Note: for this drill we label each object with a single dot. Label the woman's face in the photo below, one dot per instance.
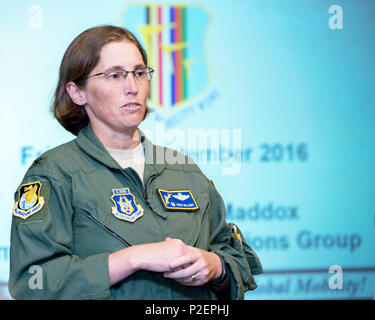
(116, 108)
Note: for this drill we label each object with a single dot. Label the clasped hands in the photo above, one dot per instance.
(185, 264)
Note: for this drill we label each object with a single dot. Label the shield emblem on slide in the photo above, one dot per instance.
(174, 39)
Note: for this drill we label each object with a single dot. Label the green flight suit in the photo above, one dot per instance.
(71, 228)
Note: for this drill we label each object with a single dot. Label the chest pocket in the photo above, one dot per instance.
(91, 235)
(95, 221)
(183, 212)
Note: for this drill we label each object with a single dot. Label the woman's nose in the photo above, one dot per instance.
(130, 84)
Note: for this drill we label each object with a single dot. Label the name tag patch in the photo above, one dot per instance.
(178, 199)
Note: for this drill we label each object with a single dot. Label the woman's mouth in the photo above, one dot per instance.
(131, 105)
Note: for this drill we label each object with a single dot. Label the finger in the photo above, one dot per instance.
(192, 282)
(187, 259)
(182, 273)
(180, 262)
(179, 274)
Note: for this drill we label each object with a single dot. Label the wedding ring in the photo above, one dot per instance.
(193, 278)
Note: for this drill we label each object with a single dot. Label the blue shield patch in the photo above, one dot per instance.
(178, 200)
(125, 207)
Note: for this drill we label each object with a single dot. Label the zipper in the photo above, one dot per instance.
(141, 192)
(145, 196)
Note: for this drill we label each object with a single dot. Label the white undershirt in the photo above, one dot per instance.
(134, 158)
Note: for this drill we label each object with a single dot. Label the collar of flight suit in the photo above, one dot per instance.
(89, 142)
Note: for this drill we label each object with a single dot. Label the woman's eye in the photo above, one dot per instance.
(139, 73)
(113, 76)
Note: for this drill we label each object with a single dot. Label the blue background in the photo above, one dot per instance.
(301, 95)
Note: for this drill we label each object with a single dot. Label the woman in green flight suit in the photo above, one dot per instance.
(106, 216)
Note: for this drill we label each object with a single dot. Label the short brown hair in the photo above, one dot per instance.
(79, 60)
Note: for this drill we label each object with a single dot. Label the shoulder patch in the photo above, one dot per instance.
(178, 199)
(29, 200)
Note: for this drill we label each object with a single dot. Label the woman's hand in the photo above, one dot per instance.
(159, 256)
(194, 266)
(187, 265)
(156, 256)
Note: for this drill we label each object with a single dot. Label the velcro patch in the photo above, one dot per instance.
(125, 206)
(178, 199)
(29, 200)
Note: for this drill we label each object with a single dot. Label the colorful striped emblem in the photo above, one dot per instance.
(174, 38)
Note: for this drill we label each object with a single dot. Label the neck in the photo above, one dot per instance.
(120, 140)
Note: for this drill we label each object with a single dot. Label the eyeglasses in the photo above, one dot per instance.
(116, 76)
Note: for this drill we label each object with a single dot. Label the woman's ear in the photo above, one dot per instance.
(76, 94)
